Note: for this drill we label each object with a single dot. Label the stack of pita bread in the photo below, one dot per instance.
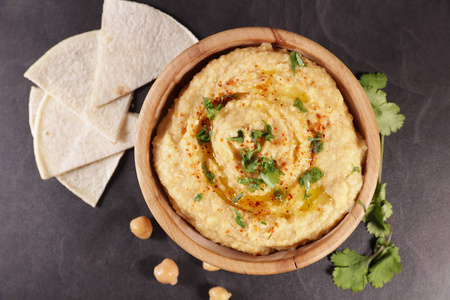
(78, 114)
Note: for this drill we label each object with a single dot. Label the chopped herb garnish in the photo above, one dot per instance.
(211, 110)
(267, 133)
(198, 197)
(228, 96)
(203, 137)
(238, 197)
(239, 138)
(279, 195)
(355, 169)
(263, 222)
(256, 134)
(311, 176)
(208, 174)
(270, 174)
(248, 163)
(296, 60)
(299, 104)
(270, 235)
(252, 183)
(239, 220)
(316, 143)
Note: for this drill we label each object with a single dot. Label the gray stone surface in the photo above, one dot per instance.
(53, 246)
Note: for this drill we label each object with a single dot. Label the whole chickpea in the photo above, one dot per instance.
(219, 293)
(166, 272)
(141, 227)
(209, 267)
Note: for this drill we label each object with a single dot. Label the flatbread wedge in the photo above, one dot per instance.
(66, 72)
(87, 182)
(137, 42)
(63, 142)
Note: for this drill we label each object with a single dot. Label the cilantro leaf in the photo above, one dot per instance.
(299, 104)
(296, 60)
(350, 270)
(386, 262)
(355, 169)
(387, 114)
(256, 134)
(311, 176)
(378, 212)
(239, 220)
(238, 197)
(271, 179)
(198, 197)
(376, 80)
(316, 143)
(267, 133)
(211, 110)
(252, 183)
(263, 222)
(239, 138)
(208, 174)
(203, 137)
(229, 96)
(248, 163)
(279, 195)
(270, 174)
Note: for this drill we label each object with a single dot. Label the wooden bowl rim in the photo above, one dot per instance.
(183, 233)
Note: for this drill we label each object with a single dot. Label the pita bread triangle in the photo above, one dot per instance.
(87, 182)
(137, 42)
(63, 142)
(66, 72)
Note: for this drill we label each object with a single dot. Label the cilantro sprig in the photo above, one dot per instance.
(352, 270)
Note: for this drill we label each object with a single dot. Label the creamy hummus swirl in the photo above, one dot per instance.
(257, 91)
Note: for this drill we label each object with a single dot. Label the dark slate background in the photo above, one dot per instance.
(54, 246)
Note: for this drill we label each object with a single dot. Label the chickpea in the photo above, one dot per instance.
(141, 227)
(219, 293)
(166, 272)
(209, 267)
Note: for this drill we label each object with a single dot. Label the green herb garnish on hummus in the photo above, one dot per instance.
(198, 197)
(208, 174)
(203, 137)
(311, 176)
(211, 110)
(239, 138)
(296, 60)
(299, 104)
(239, 220)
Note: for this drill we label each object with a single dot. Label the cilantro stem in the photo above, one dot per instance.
(381, 160)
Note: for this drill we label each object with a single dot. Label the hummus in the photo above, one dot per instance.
(259, 159)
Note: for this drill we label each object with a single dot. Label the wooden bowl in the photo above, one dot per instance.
(161, 96)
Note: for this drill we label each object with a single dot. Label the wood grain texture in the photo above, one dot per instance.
(165, 90)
